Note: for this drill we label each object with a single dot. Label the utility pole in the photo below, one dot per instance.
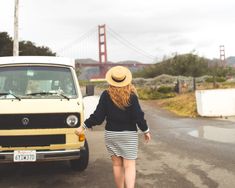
(16, 25)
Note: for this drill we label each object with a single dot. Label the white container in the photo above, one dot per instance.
(215, 102)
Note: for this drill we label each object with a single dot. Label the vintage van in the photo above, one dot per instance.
(40, 107)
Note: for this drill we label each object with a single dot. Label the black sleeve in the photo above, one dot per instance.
(138, 114)
(99, 114)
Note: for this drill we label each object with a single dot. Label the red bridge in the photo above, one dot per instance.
(103, 64)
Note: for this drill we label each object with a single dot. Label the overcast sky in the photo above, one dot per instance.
(157, 28)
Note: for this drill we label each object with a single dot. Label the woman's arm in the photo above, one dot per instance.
(140, 120)
(96, 118)
(99, 114)
(138, 115)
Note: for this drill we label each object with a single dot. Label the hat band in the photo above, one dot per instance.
(118, 80)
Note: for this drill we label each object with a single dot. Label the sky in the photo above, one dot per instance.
(156, 29)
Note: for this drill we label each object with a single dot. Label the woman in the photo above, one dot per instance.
(120, 107)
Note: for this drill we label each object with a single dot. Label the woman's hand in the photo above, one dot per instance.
(147, 137)
(79, 130)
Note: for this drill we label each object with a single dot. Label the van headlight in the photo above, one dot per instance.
(72, 120)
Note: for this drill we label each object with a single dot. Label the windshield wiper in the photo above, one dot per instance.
(49, 93)
(41, 93)
(62, 95)
(10, 93)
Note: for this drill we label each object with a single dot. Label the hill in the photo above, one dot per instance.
(86, 61)
(89, 60)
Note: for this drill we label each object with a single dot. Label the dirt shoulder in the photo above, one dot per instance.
(182, 105)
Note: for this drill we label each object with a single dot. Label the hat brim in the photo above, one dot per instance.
(125, 82)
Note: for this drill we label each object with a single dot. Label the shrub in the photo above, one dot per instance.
(149, 93)
(165, 89)
(217, 79)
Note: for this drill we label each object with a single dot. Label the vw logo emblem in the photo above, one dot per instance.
(25, 121)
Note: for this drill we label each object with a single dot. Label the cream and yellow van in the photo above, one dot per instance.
(40, 107)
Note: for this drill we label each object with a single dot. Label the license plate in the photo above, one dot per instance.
(25, 156)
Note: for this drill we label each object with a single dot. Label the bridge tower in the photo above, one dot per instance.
(102, 49)
(222, 56)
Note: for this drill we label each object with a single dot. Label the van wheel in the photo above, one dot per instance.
(81, 163)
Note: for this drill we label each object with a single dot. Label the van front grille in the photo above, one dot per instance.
(27, 141)
(35, 121)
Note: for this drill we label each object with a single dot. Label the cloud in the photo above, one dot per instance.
(158, 27)
(179, 40)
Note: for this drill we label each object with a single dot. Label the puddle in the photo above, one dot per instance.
(218, 134)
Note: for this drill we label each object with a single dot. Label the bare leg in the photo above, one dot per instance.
(118, 171)
(130, 173)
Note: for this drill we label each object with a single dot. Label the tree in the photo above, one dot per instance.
(6, 44)
(185, 65)
(29, 48)
(25, 47)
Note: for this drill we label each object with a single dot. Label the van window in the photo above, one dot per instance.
(26, 80)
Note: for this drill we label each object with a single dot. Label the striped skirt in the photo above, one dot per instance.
(122, 143)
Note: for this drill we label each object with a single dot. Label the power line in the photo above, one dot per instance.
(78, 40)
(128, 44)
(130, 47)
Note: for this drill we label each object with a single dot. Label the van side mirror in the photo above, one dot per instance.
(90, 90)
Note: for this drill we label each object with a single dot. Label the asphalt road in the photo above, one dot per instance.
(173, 159)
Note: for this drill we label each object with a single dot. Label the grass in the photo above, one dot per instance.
(151, 94)
(185, 104)
(182, 105)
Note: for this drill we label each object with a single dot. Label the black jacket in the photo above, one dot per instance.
(116, 118)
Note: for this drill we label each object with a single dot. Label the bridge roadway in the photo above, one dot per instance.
(112, 64)
(173, 159)
(105, 66)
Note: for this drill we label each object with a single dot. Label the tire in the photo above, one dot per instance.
(81, 163)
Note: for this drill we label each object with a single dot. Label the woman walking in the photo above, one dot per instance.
(120, 107)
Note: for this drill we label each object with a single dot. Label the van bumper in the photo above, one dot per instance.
(55, 155)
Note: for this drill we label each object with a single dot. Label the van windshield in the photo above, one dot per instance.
(36, 82)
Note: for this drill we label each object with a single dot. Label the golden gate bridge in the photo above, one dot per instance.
(103, 62)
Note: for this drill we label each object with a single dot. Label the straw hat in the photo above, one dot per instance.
(118, 76)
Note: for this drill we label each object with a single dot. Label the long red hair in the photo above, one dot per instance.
(121, 95)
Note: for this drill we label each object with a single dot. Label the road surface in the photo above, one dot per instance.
(183, 153)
